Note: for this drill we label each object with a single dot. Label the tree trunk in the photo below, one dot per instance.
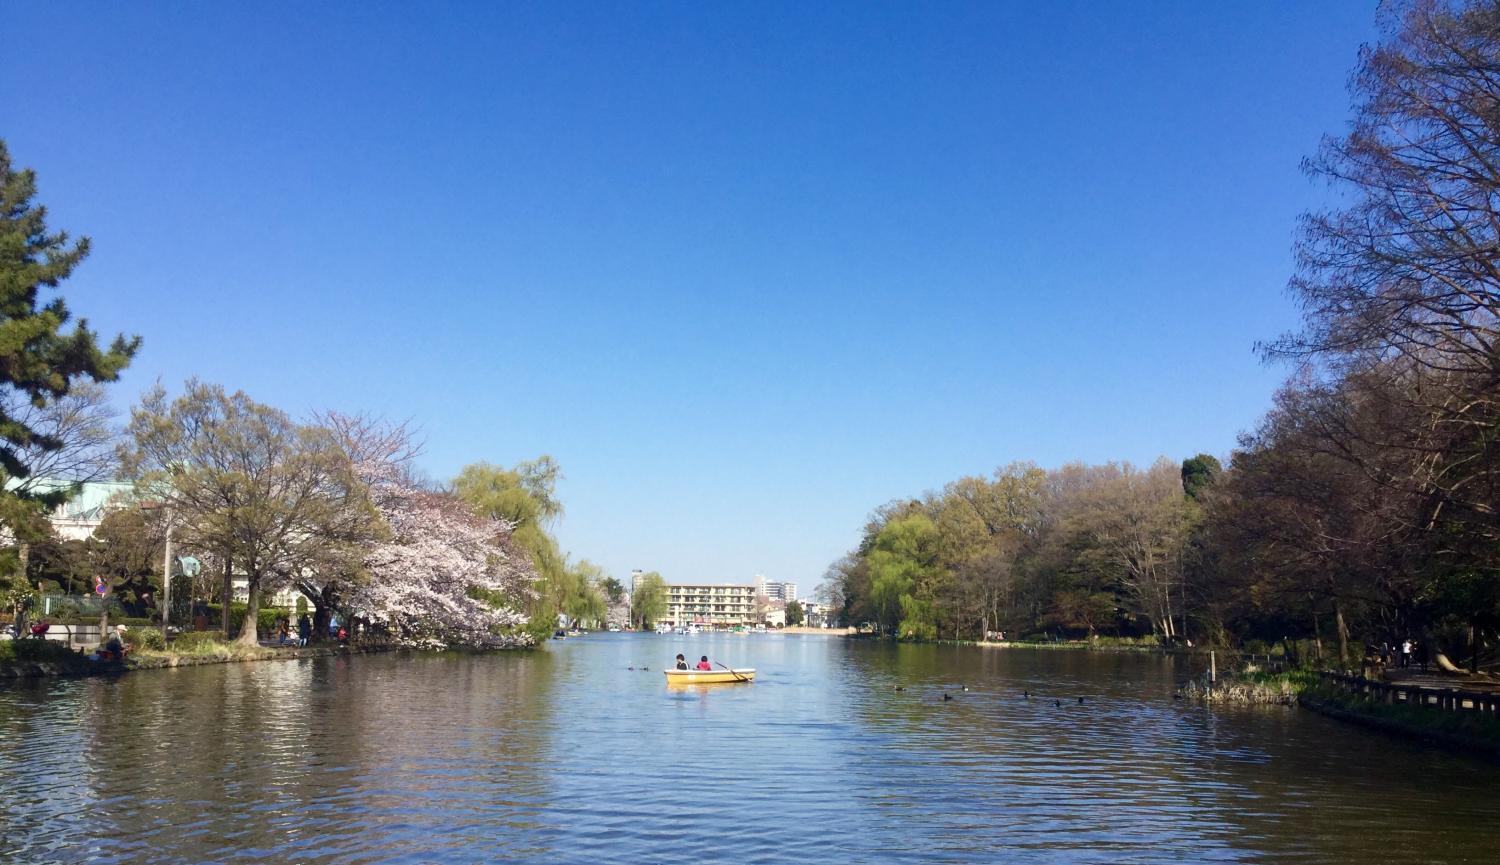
(228, 597)
(1473, 648)
(1343, 628)
(323, 601)
(1317, 636)
(248, 635)
(322, 615)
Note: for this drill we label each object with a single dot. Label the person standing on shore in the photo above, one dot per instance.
(1406, 653)
(304, 630)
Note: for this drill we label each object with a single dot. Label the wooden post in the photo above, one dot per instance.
(1213, 668)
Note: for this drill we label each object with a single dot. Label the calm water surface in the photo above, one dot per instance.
(566, 755)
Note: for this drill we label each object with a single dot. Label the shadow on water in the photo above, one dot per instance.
(581, 752)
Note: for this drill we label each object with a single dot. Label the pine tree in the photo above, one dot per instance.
(39, 360)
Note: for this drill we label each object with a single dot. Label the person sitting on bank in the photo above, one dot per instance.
(703, 663)
(681, 662)
(115, 649)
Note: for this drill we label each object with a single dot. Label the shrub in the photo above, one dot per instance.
(38, 650)
(141, 637)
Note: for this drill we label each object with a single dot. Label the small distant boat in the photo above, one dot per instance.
(709, 677)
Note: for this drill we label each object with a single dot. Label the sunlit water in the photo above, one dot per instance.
(566, 755)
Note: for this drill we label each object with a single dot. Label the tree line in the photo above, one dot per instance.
(1364, 508)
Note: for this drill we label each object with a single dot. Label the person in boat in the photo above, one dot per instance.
(681, 662)
(703, 663)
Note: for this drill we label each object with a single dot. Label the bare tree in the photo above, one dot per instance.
(1403, 283)
(79, 428)
(270, 496)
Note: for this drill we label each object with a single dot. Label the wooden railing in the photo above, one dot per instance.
(1395, 693)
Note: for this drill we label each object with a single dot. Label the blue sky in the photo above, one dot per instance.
(745, 271)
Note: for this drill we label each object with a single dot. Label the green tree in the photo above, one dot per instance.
(903, 566)
(1199, 473)
(614, 590)
(648, 599)
(585, 602)
(526, 497)
(40, 361)
(794, 613)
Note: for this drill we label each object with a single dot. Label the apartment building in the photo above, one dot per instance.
(720, 605)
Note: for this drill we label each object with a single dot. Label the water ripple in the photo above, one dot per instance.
(567, 755)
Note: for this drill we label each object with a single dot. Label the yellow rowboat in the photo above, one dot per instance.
(709, 677)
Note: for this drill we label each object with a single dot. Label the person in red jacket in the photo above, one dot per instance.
(703, 663)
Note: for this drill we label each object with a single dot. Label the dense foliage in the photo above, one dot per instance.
(1366, 505)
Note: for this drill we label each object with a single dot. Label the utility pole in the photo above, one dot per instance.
(166, 581)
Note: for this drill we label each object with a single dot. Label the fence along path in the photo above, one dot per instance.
(1475, 697)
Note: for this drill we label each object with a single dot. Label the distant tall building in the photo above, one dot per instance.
(774, 589)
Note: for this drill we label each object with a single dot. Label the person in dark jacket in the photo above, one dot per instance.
(304, 630)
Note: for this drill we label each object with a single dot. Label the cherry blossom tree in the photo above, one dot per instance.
(436, 571)
(444, 574)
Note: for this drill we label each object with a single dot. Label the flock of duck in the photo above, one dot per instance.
(1025, 695)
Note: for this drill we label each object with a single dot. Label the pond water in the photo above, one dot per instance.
(565, 754)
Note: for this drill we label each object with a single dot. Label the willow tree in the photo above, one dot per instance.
(267, 495)
(525, 497)
(648, 599)
(41, 359)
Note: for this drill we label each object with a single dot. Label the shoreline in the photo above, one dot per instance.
(827, 632)
(1066, 646)
(1458, 743)
(13, 671)
(1462, 733)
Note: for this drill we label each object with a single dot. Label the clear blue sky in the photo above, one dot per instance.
(747, 270)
